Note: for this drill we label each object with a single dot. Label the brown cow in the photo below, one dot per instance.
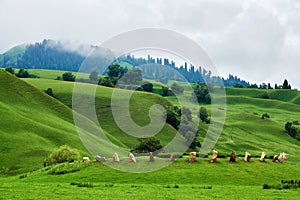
(232, 156)
(193, 157)
(151, 157)
(275, 158)
(116, 158)
(131, 158)
(214, 156)
(172, 157)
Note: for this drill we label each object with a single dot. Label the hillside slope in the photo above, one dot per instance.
(32, 124)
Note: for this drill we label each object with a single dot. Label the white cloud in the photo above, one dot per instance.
(257, 40)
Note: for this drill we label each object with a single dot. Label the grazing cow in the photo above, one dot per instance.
(85, 159)
(282, 157)
(193, 157)
(151, 157)
(275, 158)
(100, 159)
(172, 157)
(214, 156)
(263, 156)
(247, 157)
(131, 158)
(116, 158)
(232, 156)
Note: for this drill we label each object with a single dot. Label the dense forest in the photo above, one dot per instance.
(45, 55)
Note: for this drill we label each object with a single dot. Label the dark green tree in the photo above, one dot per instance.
(147, 87)
(202, 93)
(173, 119)
(115, 70)
(149, 144)
(105, 81)
(68, 76)
(269, 86)
(165, 91)
(10, 70)
(286, 84)
(186, 112)
(23, 73)
(238, 85)
(49, 92)
(133, 76)
(203, 115)
(94, 76)
(176, 88)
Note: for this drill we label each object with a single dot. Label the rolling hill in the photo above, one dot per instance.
(244, 129)
(32, 117)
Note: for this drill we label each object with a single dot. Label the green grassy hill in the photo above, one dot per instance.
(244, 130)
(140, 104)
(32, 125)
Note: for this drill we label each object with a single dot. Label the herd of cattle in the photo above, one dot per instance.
(193, 157)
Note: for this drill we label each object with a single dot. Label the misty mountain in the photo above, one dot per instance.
(67, 56)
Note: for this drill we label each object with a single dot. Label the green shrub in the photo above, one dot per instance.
(62, 154)
(266, 186)
(23, 176)
(89, 185)
(265, 115)
(65, 168)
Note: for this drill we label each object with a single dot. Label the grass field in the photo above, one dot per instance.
(33, 124)
(181, 180)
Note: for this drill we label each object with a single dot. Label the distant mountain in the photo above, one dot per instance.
(57, 55)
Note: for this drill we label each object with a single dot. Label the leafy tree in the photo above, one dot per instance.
(202, 93)
(276, 87)
(93, 76)
(62, 154)
(49, 92)
(292, 130)
(265, 115)
(286, 85)
(203, 115)
(149, 144)
(115, 70)
(186, 112)
(173, 119)
(68, 76)
(269, 86)
(147, 87)
(105, 81)
(238, 85)
(23, 73)
(10, 70)
(263, 86)
(253, 86)
(176, 88)
(165, 91)
(133, 76)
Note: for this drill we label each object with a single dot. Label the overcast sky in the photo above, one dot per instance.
(257, 40)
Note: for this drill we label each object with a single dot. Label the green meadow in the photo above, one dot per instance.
(33, 124)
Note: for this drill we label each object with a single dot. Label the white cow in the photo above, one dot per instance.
(131, 158)
(263, 156)
(282, 157)
(86, 159)
(214, 156)
(247, 156)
